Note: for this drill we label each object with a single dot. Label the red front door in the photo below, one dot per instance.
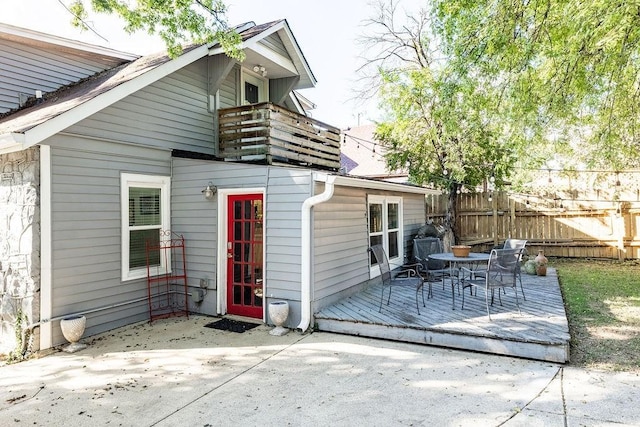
(244, 255)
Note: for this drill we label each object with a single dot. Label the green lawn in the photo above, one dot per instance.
(603, 309)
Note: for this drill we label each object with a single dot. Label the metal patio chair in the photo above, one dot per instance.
(511, 244)
(389, 280)
(430, 269)
(518, 244)
(501, 273)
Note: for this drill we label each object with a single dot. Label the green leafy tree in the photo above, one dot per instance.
(436, 127)
(570, 68)
(438, 118)
(513, 85)
(176, 21)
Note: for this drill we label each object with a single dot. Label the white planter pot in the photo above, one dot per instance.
(72, 329)
(278, 313)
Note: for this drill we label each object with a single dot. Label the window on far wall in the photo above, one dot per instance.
(145, 214)
(385, 227)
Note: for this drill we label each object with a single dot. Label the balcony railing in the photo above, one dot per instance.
(269, 133)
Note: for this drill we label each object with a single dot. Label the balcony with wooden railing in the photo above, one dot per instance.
(271, 134)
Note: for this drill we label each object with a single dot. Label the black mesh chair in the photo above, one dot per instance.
(517, 244)
(510, 244)
(501, 273)
(407, 276)
(430, 269)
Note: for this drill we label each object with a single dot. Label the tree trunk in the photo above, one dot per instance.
(450, 238)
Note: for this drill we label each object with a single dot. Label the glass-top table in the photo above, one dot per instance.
(473, 258)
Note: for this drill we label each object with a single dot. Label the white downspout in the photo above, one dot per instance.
(305, 297)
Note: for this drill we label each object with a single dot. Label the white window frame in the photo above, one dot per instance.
(385, 201)
(128, 180)
(257, 80)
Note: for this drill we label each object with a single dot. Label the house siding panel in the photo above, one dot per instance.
(25, 69)
(339, 243)
(340, 240)
(229, 89)
(286, 190)
(86, 268)
(415, 208)
(170, 113)
(274, 43)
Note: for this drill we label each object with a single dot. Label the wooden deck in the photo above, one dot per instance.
(540, 332)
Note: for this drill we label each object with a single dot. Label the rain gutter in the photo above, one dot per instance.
(307, 205)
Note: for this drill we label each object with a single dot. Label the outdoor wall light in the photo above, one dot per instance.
(260, 69)
(209, 191)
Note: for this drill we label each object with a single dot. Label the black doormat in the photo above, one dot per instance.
(231, 325)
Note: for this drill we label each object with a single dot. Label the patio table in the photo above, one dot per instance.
(454, 261)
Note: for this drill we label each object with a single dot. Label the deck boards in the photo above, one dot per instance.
(541, 331)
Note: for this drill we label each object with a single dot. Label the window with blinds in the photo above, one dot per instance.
(145, 224)
(145, 214)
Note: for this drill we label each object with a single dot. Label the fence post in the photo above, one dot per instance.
(620, 231)
(512, 219)
(494, 208)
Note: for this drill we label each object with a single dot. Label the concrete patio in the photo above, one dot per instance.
(177, 372)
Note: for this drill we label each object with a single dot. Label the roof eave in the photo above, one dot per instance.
(301, 57)
(26, 33)
(374, 184)
(11, 142)
(307, 79)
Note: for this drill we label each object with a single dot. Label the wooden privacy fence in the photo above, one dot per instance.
(570, 224)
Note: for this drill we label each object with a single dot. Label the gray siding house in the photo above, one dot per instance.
(119, 150)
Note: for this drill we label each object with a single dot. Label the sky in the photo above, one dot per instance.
(326, 31)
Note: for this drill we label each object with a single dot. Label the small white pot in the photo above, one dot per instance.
(278, 313)
(72, 329)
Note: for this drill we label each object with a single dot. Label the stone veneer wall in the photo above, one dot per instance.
(19, 244)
